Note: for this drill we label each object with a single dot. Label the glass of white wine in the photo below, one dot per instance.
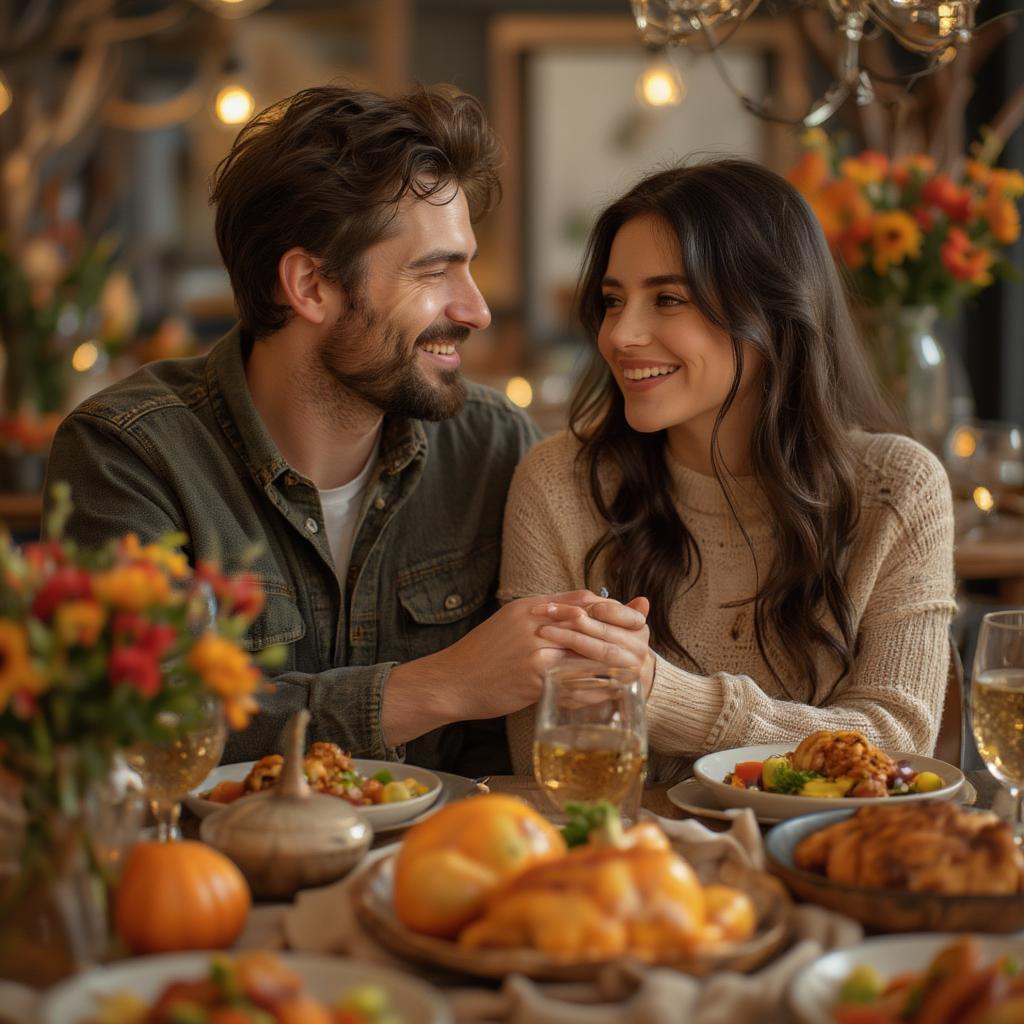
(997, 703)
(590, 738)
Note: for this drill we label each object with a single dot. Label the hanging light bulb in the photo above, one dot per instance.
(660, 84)
(234, 104)
(6, 97)
(232, 8)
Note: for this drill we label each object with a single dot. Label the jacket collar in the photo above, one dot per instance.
(401, 439)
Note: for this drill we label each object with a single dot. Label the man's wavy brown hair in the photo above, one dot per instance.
(758, 267)
(325, 170)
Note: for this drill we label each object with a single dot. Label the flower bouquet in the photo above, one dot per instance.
(912, 242)
(101, 652)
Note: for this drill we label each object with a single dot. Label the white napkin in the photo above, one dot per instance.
(323, 920)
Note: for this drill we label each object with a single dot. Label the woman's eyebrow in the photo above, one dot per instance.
(648, 282)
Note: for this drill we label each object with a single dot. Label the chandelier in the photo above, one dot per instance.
(932, 28)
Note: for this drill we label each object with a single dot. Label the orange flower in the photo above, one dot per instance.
(896, 236)
(911, 166)
(17, 674)
(1002, 216)
(227, 671)
(869, 168)
(1006, 182)
(953, 201)
(810, 173)
(79, 623)
(966, 261)
(132, 588)
(168, 559)
(977, 172)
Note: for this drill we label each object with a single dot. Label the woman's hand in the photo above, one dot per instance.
(606, 631)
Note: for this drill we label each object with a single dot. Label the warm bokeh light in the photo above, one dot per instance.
(983, 499)
(964, 443)
(661, 85)
(234, 104)
(85, 356)
(5, 95)
(519, 392)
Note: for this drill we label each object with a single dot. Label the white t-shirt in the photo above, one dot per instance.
(341, 507)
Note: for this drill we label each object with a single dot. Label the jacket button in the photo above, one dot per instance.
(379, 503)
(312, 526)
(453, 601)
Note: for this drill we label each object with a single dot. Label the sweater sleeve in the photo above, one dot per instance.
(895, 689)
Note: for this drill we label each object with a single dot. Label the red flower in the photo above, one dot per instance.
(42, 554)
(953, 201)
(158, 639)
(132, 630)
(925, 218)
(136, 667)
(964, 260)
(242, 596)
(64, 585)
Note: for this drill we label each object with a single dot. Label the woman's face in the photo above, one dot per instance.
(674, 368)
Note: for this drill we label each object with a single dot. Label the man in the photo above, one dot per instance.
(331, 432)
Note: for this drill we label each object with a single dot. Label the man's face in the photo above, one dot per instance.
(397, 345)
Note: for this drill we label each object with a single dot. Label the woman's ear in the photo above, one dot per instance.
(304, 288)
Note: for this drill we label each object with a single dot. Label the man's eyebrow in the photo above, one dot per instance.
(648, 282)
(442, 256)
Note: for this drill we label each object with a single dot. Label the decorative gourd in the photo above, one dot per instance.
(451, 863)
(179, 895)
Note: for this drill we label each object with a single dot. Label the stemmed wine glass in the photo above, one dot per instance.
(997, 703)
(170, 769)
(590, 738)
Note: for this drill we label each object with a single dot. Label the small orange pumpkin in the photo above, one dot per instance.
(451, 863)
(181, 895)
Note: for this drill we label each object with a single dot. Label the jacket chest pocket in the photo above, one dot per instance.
(445, 597)
(280, 622)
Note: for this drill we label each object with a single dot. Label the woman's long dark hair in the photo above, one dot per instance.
(758, 268)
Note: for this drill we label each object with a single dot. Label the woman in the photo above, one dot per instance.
(728, 461)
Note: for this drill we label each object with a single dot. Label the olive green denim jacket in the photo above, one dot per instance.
(179, 446)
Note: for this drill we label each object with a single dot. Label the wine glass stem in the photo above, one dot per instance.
(166, 813)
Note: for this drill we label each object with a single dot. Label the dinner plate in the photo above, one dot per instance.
(373, 898)
(326, 978)
(812, 996)
(711, 770)
(380, 816)
(885, 910)
(692, 796)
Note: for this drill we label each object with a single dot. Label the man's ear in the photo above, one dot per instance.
(313, 297)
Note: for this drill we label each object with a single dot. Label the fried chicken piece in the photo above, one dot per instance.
(846, 753)
(925, 847)
(599, 902)
(264, 773)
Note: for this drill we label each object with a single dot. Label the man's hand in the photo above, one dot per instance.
(605, 631)
(493, 670)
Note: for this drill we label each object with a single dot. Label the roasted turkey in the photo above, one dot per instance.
(846, 753)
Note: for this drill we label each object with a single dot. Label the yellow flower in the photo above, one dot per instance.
(170, 560)
(814, 138)
(16, 670)
(896, 236)
(79, 623)
(132, 588)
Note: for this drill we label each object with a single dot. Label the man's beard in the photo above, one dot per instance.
(394, 384)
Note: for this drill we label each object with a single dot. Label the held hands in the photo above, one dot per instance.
(604, 630)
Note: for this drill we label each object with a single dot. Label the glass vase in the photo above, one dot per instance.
(58, 861)
(912, 366)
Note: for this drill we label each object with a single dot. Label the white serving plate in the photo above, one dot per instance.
(380, 816)
(692, 796)
(711, 769)
(812, 995)
(326, 978)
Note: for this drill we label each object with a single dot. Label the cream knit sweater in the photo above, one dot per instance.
(900, 581)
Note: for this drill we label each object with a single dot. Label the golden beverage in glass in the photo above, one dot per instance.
(169, 770)
(588, 763)
(997, 702)
(590, 738)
